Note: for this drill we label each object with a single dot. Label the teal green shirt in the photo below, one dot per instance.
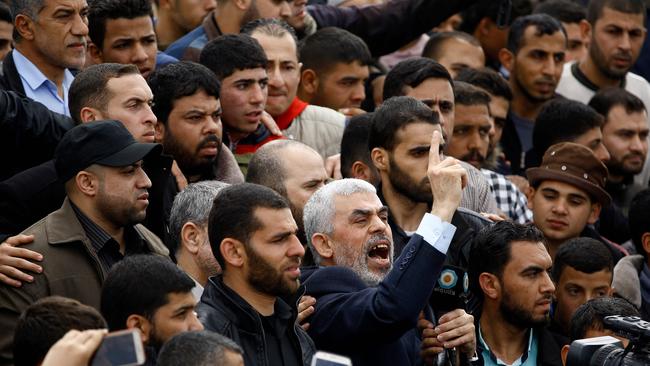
(528, 358)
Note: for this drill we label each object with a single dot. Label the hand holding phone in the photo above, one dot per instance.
(75, 348)
(121, 348)
(330, 359)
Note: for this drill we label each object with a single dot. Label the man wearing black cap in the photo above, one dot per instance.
(101, 165)
(567, 194)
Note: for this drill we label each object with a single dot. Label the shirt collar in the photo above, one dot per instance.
(32, 74)
(486, 349)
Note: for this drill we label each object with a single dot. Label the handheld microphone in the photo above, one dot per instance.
(450, 293)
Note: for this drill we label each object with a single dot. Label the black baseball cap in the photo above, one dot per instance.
(101, 142)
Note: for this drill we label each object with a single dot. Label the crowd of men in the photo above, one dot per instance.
(250, 182)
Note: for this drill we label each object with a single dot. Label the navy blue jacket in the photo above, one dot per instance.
(374, 325)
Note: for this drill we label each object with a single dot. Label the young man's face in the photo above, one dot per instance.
(593, 139)
(526, 289)
(243, 97)
(188, 14)
(342, 86)
(406, 170)
(274, 253)
(176, 316)
(537, 66)
(362, 239)
(121, 194)
(130, 103)
(499, 111)
(575, 288)
(471, 140)
(561, 211)
(438, 95)
(192, 134)
(626, 137)
(577, 47)
(457, 54)
(616, 41)
(129, 41)
(283, 71)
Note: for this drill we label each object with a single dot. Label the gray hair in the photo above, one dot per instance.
(30, 8)
(202, 348)
(319, 211)
(192, 204)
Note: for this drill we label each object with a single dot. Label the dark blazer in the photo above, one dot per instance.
(374, 325)
(10, 79)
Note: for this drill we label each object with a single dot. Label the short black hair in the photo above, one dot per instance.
(606, 99)
(178, 80)
(330, 46)
(583, 254)
(562, 120)
(545, 25)
(233, 214)
(140, 284)
(434, 46)
(232, 52)
(591, 314)
(46, 321)
(88, 89)
(101, 10)
(5, 13)
(393, 115)
(565, 11)
(488, 80)
(202, 348)
(473, 14)
(491, 249)
(595, 8)
(467, 94)
(639, 219)
(354, 143)
(413, 72)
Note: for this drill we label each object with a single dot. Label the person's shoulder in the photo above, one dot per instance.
(177, 48)
(155, 244)
(333, 279)
(324, 115)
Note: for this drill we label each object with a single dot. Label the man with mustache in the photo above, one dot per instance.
(625, 135)
(534, 57)
(508, 271)
(253, 301)
(50, 38)
(616, 32)
(366, 308)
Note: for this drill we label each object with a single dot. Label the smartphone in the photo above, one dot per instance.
(330, 359)
(121, 348)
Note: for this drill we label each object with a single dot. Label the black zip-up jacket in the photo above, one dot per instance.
(223, 311)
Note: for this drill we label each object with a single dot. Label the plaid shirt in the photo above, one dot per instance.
(509, 198)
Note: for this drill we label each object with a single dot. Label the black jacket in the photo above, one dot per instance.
(10, 79)
(29, 133)
(223, 311)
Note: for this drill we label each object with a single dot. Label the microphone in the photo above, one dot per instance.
(450, 293)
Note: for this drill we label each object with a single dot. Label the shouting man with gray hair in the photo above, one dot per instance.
(367, 309)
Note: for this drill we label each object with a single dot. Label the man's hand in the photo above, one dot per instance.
(75, 348)
(13, 261)
(305, 309)
(270, 124)
(181, 181)
(447, 179)
(456, 329)
(352, 111)
(333, 166)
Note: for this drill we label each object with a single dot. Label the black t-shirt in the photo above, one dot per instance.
(280, 349)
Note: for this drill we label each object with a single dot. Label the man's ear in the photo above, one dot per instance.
(323, 246)
(95, 54)
(309, 82)
(242, 5)
(135, 321)
(594, 214)
(379, 157)
(24, 25)
(645, 241)
(563, 353)
(89, 114)
(87, 183)
(530, 194)
(585, 30)
(360, 170)
(160, 131)
(507, 59)
(233, 252)
(191, 238)
(483, 27)
(490, 285)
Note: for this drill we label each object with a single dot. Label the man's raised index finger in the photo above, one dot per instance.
(434, 152)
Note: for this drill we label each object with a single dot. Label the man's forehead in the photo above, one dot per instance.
(610, 16)
(55, 4)
(137, 85)
(524, 254)
(345, 205)
(256, 74)
(534, 39)
(200, 99)
(562, 188)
